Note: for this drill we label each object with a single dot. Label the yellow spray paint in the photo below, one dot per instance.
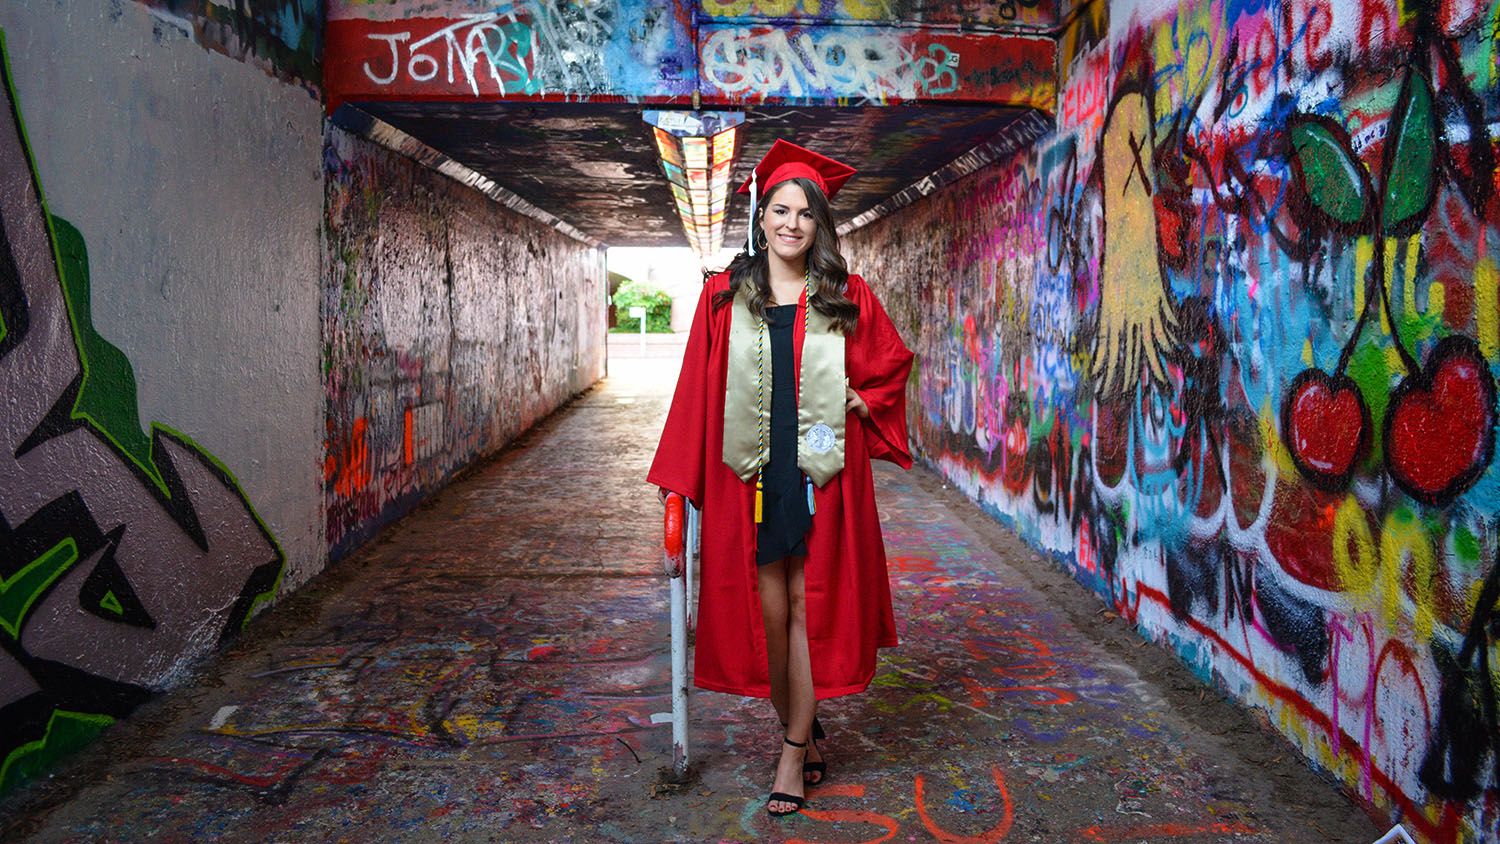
(1413, 250)
(1387, 318)
(1487, 305)
(1402, 537)
(1189, 49)
(1353, 548)
(1272, 444)
(1376, 584)
(869, 10)
(764, 8)
(1136, 321)
(1393, 360)
(466, 726)
(1408, 12)
(1364, 253)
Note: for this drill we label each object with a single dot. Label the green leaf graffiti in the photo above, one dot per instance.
(22, 589)
(1409, 177)
(107, 396)
(1334, 181)
(66, 732)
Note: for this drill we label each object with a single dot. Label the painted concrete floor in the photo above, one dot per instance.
(492, 669)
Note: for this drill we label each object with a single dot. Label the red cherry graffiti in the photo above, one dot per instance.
(1439, 427)
(1326, 426)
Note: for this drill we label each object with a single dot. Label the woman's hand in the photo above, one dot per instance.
(854, 404)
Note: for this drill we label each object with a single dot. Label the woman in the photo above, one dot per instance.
(778, 410)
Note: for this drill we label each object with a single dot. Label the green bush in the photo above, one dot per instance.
(658, 305)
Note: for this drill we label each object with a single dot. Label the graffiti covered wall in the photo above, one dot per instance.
(450, 325)
(182, 448)
(158, 337)
(461, 48)
(1226, 344)
(283, 37)
(669, 52)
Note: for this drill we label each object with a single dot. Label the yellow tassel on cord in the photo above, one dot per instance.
(757, 499)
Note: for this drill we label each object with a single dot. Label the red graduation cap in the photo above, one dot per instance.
(786, 160)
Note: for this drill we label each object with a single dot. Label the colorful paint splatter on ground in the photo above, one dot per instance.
(495, 668)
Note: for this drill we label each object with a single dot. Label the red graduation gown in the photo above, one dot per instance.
(848, 591)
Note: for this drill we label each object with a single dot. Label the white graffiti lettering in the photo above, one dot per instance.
(463, 44)
(513, 50)
(875, 67)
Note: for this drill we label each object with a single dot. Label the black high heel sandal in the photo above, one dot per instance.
(821, 766)
(778, 797)
(817, 729)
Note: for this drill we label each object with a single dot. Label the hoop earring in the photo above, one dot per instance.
(761, 241)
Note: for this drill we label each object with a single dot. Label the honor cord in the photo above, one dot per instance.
(760, 399)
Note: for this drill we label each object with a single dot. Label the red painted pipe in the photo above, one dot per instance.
(673, 533)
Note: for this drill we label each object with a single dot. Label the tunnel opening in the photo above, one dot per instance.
(652, 292)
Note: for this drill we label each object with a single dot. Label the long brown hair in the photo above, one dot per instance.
(830, 274)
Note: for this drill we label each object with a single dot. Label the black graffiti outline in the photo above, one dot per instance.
(1465, 737)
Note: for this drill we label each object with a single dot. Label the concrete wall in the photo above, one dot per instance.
(450, 325)
(160, 401)
(1225, 344)
(177, 420)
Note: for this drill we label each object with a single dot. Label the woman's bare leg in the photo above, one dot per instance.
(801, 700)
(773, 610)
(785, 614)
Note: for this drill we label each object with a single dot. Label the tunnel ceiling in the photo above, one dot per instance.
(594, 164)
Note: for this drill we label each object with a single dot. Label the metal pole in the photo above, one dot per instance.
(679, 679)
(694, 525)
(676, 535)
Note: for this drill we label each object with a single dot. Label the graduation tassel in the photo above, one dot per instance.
(812, 508)
(759, 493)
(751, 246)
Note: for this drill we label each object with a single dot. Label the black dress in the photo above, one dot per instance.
(784, 514)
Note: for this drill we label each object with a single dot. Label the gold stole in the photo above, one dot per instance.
(820, 405)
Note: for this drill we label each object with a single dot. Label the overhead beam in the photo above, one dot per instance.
(678, 53)
(842, 65)
(967, 15)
